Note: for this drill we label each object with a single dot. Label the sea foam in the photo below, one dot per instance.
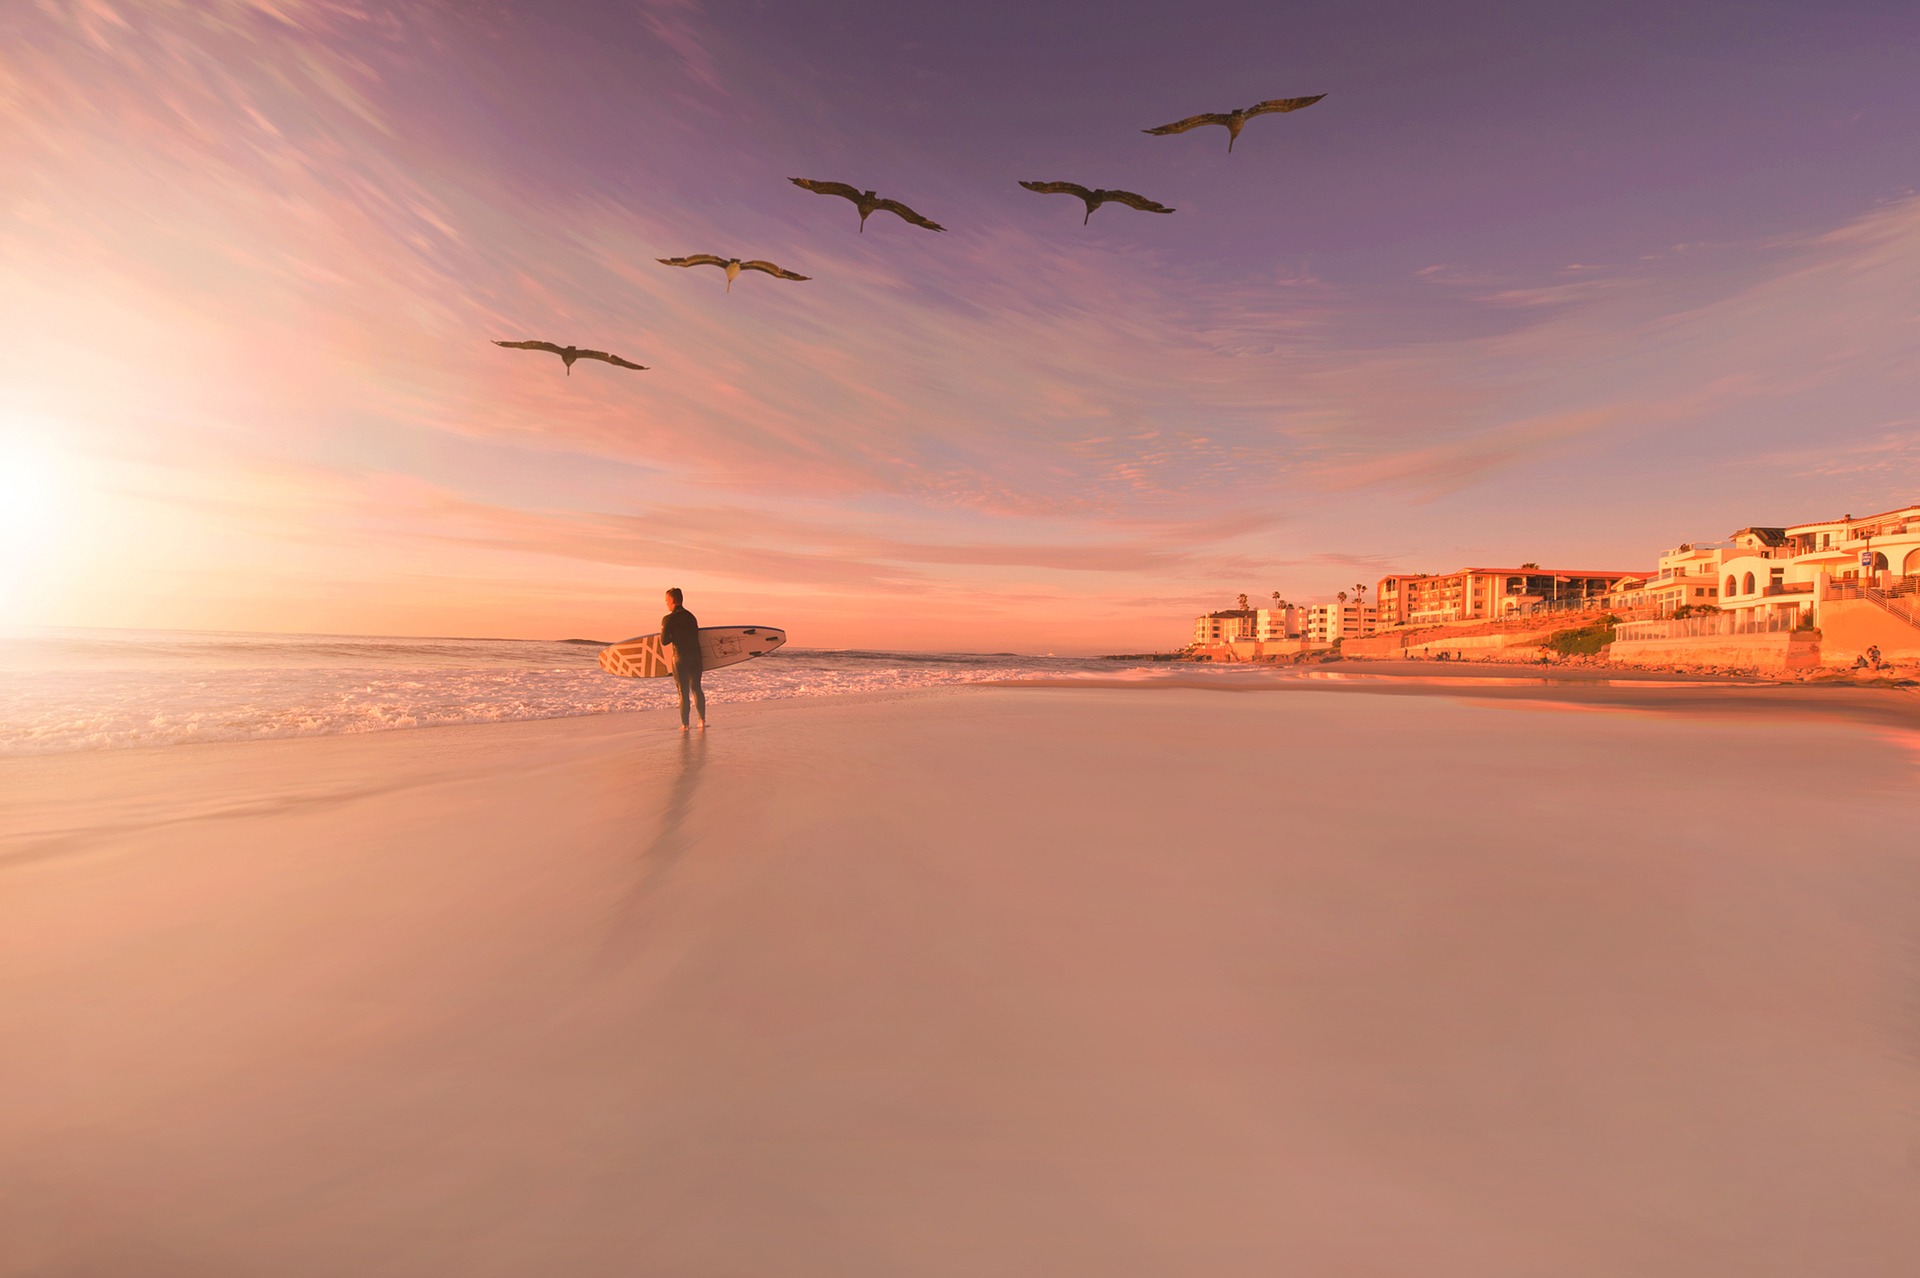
(64, 690)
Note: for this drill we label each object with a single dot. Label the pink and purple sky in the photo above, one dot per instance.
(1568, 283)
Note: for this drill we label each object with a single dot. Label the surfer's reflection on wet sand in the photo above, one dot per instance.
(669, 842)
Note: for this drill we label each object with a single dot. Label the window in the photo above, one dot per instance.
(1748, 583)
(1732, 585)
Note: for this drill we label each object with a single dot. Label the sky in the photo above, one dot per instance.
(1562, 283)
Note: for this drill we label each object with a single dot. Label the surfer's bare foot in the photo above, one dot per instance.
(683, 727)
(703, 725)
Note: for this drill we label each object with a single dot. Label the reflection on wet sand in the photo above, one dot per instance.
(669, 841)
(1139, 984)
(1595, 690)
(1507, 681)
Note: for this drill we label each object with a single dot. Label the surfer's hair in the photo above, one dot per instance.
(673, 592)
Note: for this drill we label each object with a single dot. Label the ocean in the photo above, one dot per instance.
(70, 689)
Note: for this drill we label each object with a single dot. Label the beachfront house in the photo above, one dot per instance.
(1786, 573)
(1688, 577)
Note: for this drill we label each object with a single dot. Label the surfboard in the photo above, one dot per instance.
(643, 658)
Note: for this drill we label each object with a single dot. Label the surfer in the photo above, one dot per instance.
(680, 635)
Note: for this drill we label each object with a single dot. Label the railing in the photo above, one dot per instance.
(1709, 624)
(1592, 603)
(1902, 598)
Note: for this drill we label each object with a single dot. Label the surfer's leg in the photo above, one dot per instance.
(699, 700)
(683, 680)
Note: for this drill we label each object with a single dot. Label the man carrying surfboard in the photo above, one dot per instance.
(680, 635)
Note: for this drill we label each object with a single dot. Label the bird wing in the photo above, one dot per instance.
(611, 359)
(776, 271)
(1133, 201)
(697, 259)
(1059, 188)
(896, 207)
(840, 189)
(1191, 122)
(1282, 104)
(530, 346)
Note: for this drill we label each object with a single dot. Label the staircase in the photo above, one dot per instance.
(1856, 619)
(1905, 606)
(1901, 600)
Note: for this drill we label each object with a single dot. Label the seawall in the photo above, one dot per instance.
(1849, 626)
(1780, 650)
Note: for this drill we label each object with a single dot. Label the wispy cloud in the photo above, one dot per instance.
(677, 24)
(266, 244)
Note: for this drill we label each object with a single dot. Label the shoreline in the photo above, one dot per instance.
(1894, 673)
(1587, 687)
(1490, 679)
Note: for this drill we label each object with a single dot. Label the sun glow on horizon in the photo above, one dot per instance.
(35, 497)
(258, 256)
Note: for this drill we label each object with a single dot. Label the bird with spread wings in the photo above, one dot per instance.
(1094, 197)
(866, 201)
(732, 266)
(568, 354)
(1236, 120)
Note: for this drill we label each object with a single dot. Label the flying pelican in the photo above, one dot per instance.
(1236, 120)
(732, 266)
(866, 201)
(1096, 196)
(568, 354)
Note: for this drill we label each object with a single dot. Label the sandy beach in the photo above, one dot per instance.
(1017, 980)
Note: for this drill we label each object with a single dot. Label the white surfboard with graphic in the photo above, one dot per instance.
(644, 658)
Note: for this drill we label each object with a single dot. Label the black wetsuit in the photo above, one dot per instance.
(681, 629)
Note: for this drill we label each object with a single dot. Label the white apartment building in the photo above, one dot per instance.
(1271, 624)
(1786, 571)
(1688, 576)
(1327, 622)
(1232, 625)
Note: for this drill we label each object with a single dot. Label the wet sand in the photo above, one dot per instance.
(1106, 981)
(1881, 700)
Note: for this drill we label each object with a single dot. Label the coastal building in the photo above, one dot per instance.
(1327, 622)
(1629, 596)
(1688, 577)
(1271, 624)
(1230, 625)
(1487, 594)
(1263, 631)
(1782, 573)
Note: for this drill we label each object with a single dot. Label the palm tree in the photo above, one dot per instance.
(1359, 589)
(1342, 596)
(1278, 602)
(1243, 603)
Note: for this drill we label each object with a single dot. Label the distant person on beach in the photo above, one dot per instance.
(680, 635)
